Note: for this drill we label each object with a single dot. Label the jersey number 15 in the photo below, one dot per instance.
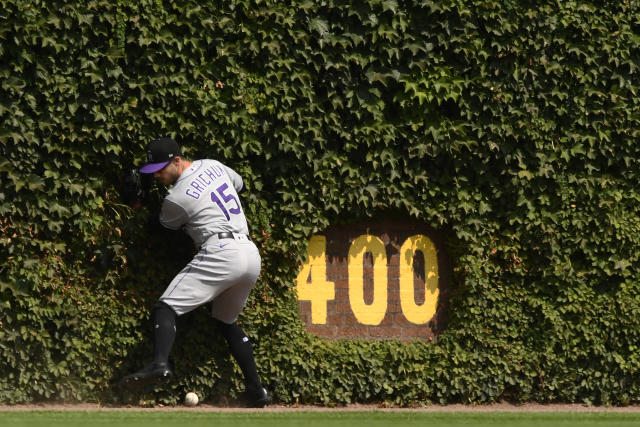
(225, 200)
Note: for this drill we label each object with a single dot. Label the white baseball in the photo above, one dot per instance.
(191, 399)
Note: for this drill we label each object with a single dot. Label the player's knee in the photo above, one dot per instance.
(230, 331)
(161, 305)
(162, 311)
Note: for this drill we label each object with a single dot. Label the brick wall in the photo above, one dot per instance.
(341, 321)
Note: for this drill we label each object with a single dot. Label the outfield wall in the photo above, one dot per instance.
(497, 139)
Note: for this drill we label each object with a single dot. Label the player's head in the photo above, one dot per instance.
(163, 159)
(159, 153)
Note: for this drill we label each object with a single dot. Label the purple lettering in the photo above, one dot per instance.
(192, 194)
(197, 186)
(210, 173)
(203, 180)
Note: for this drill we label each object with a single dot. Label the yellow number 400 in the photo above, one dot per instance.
(319, 291)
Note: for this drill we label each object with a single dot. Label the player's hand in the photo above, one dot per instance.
(134, 188)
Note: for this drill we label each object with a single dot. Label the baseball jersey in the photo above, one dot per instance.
(204, 201)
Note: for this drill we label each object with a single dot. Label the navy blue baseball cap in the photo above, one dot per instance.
(159, 153)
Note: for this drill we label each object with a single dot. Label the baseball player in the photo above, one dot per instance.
(203, 201)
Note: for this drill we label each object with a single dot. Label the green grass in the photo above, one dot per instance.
(181, 418)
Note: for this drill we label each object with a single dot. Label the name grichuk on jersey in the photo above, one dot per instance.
(204, 201)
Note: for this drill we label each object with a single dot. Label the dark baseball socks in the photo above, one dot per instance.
(163, 319)
(242, 351)
(164, 332)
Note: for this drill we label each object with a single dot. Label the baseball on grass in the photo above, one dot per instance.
(191, 399)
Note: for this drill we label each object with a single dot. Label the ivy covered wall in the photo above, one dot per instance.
(509, 126)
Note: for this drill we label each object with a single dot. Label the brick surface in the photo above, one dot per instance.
(341, 321)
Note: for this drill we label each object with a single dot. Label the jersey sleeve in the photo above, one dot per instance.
(236, 179)
(172, 215)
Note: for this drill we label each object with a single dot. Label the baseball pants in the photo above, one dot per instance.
(224, 271)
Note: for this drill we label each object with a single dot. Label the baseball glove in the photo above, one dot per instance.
(134, 187)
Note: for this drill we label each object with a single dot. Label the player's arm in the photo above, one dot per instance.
(172, 215)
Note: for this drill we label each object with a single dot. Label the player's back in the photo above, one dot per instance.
(204, 201)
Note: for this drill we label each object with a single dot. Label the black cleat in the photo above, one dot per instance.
(257, 398)
(149, 375)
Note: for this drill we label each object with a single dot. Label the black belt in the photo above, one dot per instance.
(227, 235)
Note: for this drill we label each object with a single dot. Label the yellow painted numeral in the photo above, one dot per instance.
(368, 314)
(319, 290)
(418, 314)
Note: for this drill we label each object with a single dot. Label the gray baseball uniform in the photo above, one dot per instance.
(204, 203)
